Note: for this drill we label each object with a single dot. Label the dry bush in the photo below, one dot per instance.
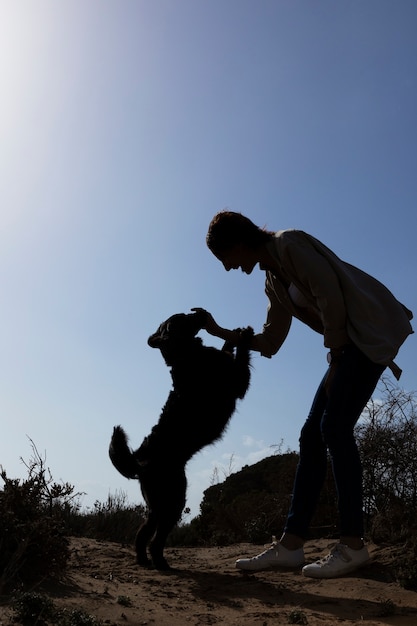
(113, 520)
(387, 440)
(33, 545)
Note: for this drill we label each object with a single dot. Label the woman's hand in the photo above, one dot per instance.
(333, 358)
(210, 325)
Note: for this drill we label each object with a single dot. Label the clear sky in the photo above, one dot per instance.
(125, 125)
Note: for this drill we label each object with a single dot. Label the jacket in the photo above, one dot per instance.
(345, 303)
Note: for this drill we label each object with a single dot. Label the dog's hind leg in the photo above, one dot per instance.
(143, 537)
(168, 516)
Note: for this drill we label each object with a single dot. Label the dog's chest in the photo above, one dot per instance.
(199, 374)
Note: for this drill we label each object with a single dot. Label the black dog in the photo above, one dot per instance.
(206, 384)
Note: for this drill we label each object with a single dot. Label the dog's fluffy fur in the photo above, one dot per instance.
(206, 385)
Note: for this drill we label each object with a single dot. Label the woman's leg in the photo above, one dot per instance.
(333, 415)
(311, 470)
(354, 382)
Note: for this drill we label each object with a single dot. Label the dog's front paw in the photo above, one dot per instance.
(245, 334)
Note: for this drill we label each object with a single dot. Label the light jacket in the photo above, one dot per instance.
(346, 304)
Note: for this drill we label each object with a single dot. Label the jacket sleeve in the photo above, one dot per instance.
(314, 275)
(276, 327)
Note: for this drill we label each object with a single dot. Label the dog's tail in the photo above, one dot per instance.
(121, 455)
(242, 361)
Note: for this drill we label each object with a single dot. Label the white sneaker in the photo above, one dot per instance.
(340, 561)
(275, 556)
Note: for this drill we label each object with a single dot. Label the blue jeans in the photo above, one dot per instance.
(330, 427)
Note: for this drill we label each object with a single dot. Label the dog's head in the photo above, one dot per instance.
(175, 333)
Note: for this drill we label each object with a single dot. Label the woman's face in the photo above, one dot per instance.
(240, 256)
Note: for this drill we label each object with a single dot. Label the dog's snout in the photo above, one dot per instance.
(157, 338)
(154, 340)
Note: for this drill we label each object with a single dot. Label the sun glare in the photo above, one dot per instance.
(23, 30)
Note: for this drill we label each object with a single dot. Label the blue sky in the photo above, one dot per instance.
(124, 127)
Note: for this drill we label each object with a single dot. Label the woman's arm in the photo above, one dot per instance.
(267, 342)
(214, 329)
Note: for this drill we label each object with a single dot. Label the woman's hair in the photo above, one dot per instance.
(228, 229)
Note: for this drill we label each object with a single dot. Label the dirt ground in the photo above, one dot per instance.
(205, 588)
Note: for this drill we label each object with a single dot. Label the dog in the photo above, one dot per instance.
(207, 382)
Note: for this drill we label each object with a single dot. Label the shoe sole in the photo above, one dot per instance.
(269, 567)
(319, 574)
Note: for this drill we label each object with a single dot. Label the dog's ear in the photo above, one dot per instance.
(156, 340)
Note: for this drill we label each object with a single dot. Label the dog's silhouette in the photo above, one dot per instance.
(206, 385)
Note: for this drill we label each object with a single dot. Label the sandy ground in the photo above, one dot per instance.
(104, 581)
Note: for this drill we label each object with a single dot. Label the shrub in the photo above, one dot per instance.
(406, 568)
(387, 441)
(76, 617)
(33, 545)
(297, 617)
(113, 520)
(33, 608)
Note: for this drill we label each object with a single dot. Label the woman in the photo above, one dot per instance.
(363, 327)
